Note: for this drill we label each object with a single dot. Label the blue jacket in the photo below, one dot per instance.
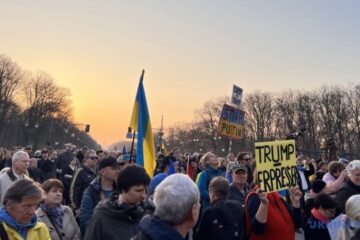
(92, 196)
(153, 228)
(203, 184)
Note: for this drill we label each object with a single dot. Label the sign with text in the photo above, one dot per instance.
(236, 95)
(231, 122)
(276, 165)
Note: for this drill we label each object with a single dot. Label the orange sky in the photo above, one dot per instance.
(191, 52)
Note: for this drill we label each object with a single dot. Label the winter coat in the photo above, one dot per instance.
(224, 219)
(80, 182)
(153, 228)
(6, 181)
(70, 230)
(113, 221)
(92, 196)
(347, 190)
(203, 181)
(32, 231)
(315, 230)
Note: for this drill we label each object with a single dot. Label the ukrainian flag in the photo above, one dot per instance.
(140, 121)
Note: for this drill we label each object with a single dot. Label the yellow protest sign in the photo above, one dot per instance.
(276, 165)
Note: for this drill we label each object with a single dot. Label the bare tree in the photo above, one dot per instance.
(10, 79)
(259, 116)
(43, 100)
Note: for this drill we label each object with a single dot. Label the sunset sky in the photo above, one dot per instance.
(191, 51)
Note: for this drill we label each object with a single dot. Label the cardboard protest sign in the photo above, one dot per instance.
(231, 122)
(236, 95)
(276, 165)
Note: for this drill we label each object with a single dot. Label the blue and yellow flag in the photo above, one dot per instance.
(140, 121)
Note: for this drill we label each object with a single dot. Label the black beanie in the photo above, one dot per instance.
(318, 185)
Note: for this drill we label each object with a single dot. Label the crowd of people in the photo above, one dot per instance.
(80, 193)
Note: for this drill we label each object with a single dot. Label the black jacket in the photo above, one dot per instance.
(82, 181)
(153, 228)
(224, 219)
(316, 230)
(113, 221)
(48, 168)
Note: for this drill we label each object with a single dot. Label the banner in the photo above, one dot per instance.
(231, 122)
(236, 95)
(276, 165)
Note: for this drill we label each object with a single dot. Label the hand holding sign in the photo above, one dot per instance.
(262, 196)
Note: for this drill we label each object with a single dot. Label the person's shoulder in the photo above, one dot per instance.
(40, 225)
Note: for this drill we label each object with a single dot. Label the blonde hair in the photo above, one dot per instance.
(352, 207)
(204, 159)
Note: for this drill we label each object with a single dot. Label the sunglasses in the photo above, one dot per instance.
(93, 158)
(247, 159)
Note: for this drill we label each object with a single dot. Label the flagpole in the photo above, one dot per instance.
(132, 147)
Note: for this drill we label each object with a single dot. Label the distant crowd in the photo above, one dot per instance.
(80, 193)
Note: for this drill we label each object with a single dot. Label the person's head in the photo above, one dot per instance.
(244, 158)
(326, 205)
(109, 169)
(239, 174)
(68, 147)
(123, 160)
(20, 162)
(352, 208)
(335, 168)
(22, 199)
(165, 164)
(209, 160)
(73, 148)
(219, 189)
(318, 186)
(100, 154)
(176, 201)
(323, 166)
(90, 159)
(44, 154)
(28, 149)
(33, 163)
(176, 152)
(54, 189)
(231, 157)
(344, 161)
(353, 169)
(131, 184)
(53, 155)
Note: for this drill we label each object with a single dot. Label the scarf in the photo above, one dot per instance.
(319, 216)
(55, 213)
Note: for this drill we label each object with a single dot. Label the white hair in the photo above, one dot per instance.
(352, 207)
(20, 155)
(353, 165)
(175, 197)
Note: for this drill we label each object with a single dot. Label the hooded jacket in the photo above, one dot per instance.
(153, 228)
(114, 221)
(34, 230)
